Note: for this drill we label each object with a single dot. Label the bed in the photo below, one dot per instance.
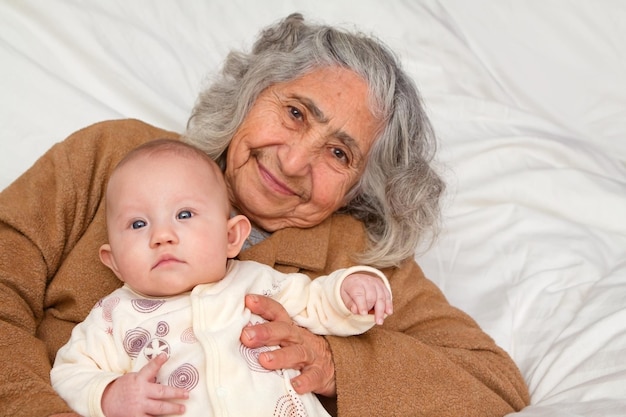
(528, 100)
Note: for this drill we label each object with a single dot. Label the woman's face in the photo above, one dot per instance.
(301, 148)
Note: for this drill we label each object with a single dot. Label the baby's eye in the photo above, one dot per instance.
(184, 214)
(138, 224)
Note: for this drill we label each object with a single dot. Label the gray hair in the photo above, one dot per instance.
(397, 197)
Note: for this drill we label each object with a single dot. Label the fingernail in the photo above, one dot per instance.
(250, 333)
(268, 356)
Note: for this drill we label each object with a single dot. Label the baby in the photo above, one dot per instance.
(167, 341)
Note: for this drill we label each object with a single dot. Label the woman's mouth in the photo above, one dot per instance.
(273, 183)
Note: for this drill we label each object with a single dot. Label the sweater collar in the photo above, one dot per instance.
(301, 248)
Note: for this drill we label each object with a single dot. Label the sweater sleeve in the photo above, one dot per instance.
(428, 359)
(46, 284)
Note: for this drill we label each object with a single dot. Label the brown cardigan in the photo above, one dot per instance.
(427, 359)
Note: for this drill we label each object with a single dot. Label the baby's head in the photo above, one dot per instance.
(168, 219)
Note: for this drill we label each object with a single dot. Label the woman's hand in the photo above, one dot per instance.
(301, 349)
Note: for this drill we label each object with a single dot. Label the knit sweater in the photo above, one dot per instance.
(428, 359)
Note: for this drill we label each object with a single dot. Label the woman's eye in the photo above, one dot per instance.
(295, 112)
(340, 155)
(184, 214)
(138, 224)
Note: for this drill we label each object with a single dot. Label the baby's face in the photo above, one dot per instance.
(167, 224)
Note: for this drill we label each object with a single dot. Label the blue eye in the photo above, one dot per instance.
(138, 224)
(184, 214)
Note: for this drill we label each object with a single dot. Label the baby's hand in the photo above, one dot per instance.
(362, 292)
(138, 394)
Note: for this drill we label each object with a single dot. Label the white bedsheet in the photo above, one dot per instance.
(529, 101)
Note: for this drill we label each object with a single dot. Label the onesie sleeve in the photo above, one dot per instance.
(323, 311)
(87, 364)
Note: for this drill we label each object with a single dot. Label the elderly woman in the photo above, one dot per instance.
(326, 148)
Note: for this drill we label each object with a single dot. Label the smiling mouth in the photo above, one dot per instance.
(272, 182)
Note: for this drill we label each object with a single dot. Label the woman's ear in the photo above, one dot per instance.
(106, 257)
(238, 230)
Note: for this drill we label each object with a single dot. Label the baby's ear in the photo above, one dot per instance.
(107, 258)
(238, 230)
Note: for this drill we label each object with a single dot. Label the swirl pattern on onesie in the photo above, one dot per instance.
(185, 376)
(251, 356)
(290, 406)
(162, 329)
(188, 336)
(134, 340)
(107, 307)
(144, 305)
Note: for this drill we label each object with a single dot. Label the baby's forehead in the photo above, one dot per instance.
(167, 151)
(170, 152)
(166, 146)
(204, 172)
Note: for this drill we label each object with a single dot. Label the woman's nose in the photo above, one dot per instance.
(296, 157)
(163, 235)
